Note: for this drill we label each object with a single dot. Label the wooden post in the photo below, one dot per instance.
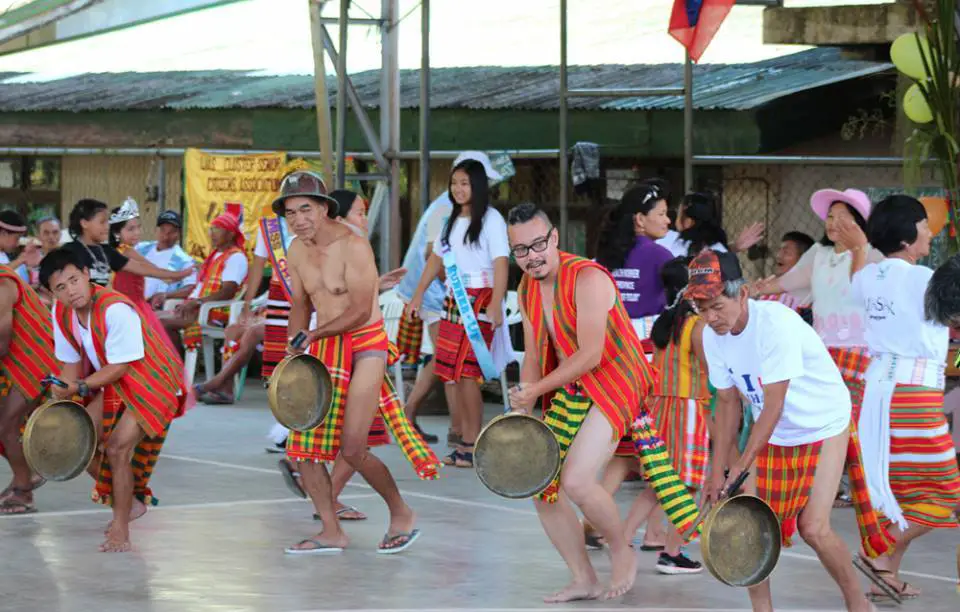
(324, 131)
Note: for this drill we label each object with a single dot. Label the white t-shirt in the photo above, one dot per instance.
(261, 249)
(124, 342)
(161, 259)
(235, 270)
(776, 345)
(892, 294)
(21, 271)
(475, 261)
(681, 248)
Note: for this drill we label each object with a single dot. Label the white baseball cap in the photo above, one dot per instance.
(492, 175)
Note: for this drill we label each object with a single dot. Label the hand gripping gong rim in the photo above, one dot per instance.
(300, 392)
(516, 456)
(59, 440)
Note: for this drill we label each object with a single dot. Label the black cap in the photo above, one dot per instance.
(170, 217)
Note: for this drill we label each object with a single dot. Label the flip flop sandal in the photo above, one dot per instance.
(16, 508)
(391, 545)
(343, 511)
(594, 541)
(464, 460)
(875, 575)
(216, 398)
(290, 478)
(319, 548)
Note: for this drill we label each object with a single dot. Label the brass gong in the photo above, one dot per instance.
(300, 392)
(516, 456)
(59, 440)
(741, 538)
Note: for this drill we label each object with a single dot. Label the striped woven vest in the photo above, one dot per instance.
(211, 280)
(619, 384)
(681, 373)
(30, 355)
(153, 386)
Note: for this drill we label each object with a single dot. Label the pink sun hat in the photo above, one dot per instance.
(822, 200)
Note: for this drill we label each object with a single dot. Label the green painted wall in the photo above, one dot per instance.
(641, 133)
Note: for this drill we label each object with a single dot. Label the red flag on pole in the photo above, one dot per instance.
(695, 22)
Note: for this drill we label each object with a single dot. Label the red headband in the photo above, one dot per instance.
(230, 223)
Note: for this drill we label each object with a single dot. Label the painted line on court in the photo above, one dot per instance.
(554, 608)
(501, 508)
(152, 509)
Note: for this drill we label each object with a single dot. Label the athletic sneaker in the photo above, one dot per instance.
(681, 564)
(276, 449)
(429, 438)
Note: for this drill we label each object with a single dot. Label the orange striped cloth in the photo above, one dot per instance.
(323, 443)
(30, 355)
(620, 384)
(275, 333)
(784, 479)
(410, 338)
(454, 358)
(923, 465)
(153, 388)
(874, 537)
(145, 456)
(679, 405)
(210, 279)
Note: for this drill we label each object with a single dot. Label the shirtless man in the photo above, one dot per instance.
(585, 360)
(332, 270)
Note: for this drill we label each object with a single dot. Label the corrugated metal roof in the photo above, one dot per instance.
(716, 87)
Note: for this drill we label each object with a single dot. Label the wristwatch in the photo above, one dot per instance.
(82, 389)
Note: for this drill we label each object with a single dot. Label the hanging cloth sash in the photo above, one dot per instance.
(886, 370)
(467, 317)
(276, 240)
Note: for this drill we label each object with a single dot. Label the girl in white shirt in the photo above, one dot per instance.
(476, 235)
(911, 467)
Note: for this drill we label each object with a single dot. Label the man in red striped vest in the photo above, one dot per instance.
(585, 360)
(136, 372)
(26, 357)
(220, 277)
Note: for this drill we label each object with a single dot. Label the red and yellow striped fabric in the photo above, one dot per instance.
(852, 363)
(275, 334)
(30, 355)
(681, 374)
(323, 443)
(410, 338)
(923, 465)
(454, 358)
(623, 379)
(210, 279)
(784, 479)
(145, 456)
(153, 386)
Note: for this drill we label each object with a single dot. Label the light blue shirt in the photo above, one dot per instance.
(173, 259)
(416, 258)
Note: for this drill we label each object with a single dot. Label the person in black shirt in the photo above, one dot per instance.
(89, 227)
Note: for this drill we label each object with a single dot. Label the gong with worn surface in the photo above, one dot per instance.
(741, 541)
(516, 456)
(59, 440)
(300, 392)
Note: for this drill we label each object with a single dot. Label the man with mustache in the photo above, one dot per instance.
(585, 360)
(801, 407)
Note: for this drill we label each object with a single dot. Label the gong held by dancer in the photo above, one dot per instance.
(585, 360)
(802, 408)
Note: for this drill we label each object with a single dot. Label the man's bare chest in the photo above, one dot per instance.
(324, 271)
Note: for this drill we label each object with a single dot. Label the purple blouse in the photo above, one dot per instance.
(639, 279)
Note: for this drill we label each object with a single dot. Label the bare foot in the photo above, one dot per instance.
(322, 540)
(136, 511)
(624, 572)
(576, 591)
(118, 540)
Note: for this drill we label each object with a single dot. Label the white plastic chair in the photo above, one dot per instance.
(513, 318)
(391, 307)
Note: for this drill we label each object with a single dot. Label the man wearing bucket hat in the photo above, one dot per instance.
(332, 270)
(412, 325)
(801, 407)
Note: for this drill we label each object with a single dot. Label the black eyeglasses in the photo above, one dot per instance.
(537, 246)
